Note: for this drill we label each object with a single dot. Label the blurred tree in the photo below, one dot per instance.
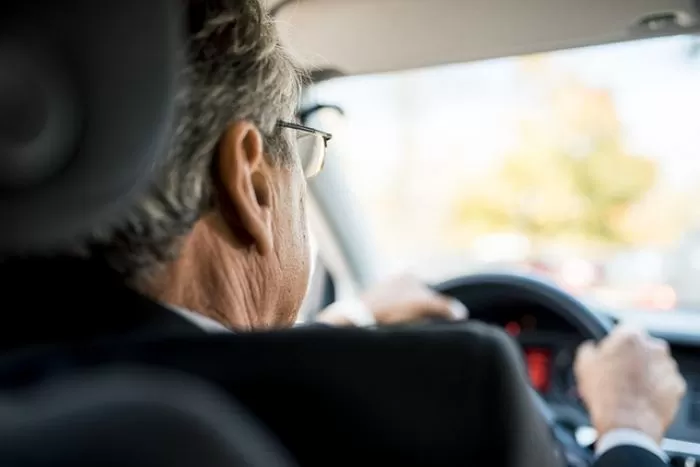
(570, 172)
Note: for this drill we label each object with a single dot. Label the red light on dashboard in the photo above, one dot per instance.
(513, 328)
(538, 366)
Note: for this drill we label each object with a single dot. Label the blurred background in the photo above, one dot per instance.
(580, 166)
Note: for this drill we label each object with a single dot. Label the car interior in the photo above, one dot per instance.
(499, 387)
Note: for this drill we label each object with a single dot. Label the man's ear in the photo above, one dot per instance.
(246, 185)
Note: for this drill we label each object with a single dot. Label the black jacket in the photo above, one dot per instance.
(624, 456)
(334, 397)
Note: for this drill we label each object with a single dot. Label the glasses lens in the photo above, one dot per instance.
(312, 151)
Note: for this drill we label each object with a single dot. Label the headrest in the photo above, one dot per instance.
(86, 97)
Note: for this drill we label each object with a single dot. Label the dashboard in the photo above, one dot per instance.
(549, 345)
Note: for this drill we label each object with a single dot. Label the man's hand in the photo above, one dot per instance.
(629, 380)
(401, 300)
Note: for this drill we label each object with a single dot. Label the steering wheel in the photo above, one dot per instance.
(480, 290)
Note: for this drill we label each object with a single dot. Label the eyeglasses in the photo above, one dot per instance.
(312, 146)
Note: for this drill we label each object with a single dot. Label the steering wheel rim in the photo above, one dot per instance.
(590, 325)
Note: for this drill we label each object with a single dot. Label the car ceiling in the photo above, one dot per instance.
(371, 36)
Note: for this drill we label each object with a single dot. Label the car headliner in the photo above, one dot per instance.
(371, 36)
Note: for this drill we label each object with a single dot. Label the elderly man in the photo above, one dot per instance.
(221, 237)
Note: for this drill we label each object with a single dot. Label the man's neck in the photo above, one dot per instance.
(212, 279)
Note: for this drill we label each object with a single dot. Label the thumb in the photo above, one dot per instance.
(584, 356)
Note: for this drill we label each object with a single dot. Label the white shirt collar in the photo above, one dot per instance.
(201, 321)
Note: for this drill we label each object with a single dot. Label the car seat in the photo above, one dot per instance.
(129, 416)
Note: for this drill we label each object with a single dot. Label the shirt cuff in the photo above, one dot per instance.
(355, 311)
(628, 437)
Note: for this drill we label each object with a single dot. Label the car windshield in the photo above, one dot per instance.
(580, 166)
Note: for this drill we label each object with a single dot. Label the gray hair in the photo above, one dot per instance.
(235, 69)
